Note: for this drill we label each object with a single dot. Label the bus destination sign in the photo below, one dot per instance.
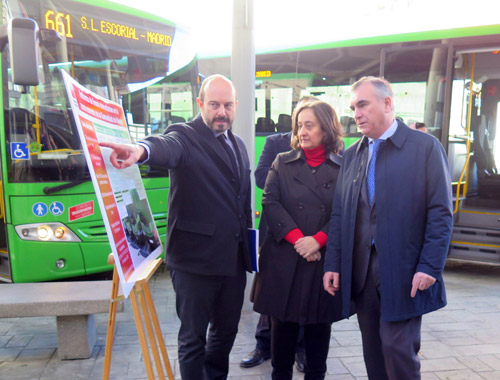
(82, 22)
(61, 22)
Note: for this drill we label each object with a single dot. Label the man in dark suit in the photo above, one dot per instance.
(209, 214)
(389, 233)
(275, 144)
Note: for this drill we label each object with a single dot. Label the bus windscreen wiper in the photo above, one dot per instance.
(54, 189)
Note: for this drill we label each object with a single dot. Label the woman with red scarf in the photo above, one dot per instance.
(297, 201)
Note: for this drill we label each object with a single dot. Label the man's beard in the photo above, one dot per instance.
(218, 120)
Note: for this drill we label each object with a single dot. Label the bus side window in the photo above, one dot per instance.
(20, 120)
(60, 126)
(264, 125)
(284, 123)
(349, 124)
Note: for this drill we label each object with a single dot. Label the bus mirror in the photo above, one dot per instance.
(22, 35)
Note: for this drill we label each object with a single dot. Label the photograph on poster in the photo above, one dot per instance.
(140, 230)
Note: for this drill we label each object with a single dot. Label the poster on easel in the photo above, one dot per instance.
(121, 195)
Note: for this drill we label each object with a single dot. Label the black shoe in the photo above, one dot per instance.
(300, 361)
(255, 358)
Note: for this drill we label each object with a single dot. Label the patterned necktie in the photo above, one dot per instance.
(370, 178)
(230, 154)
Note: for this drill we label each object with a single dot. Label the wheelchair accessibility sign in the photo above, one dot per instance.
(19, 151)
(56, 208)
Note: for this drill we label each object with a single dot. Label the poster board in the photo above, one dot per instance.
(121, 195)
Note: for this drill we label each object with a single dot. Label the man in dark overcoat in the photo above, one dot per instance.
(209, 214)
(390, 229)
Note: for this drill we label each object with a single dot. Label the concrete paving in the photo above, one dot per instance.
(461, 341)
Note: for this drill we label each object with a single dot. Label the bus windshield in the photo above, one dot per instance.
(106, 52)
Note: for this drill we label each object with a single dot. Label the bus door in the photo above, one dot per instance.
(5, 274)
(475, 149)
(418, 76)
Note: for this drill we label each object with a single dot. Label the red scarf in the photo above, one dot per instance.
(315, 156)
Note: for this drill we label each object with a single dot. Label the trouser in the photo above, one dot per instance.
(263, 335)
(396, 344)
(202, 301)
(283, 342)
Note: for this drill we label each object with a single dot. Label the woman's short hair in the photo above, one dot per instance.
(328, 120)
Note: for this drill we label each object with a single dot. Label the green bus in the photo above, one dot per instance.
(447, 79)
(51, 225)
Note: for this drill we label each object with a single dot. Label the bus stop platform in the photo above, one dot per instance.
(461, 341)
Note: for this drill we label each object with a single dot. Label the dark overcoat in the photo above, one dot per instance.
(288, 287)
(413, 215)
(208, 208)
(275, 144)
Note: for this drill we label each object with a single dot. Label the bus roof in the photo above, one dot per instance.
(475, 31)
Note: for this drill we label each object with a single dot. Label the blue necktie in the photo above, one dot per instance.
(370, 178)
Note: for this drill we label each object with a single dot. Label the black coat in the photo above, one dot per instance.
(288, 287)
(274, 145)
(209, 210)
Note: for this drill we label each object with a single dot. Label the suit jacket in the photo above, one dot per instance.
(288, 287)
(414, 220)
(364, 232)
(209, 209)
(275, 144)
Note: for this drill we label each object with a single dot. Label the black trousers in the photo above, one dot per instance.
(396, 344)
(202, 301)
(263, 335)
(283, 341)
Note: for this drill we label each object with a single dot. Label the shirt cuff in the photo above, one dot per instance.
(293, 235)
(321, 238)
(148, 153)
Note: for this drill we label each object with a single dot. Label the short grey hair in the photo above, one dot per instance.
(382, 87)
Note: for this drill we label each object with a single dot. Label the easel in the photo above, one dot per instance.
(140, 298)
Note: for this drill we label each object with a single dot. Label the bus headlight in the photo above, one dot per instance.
(59, 232)
(46, 232)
